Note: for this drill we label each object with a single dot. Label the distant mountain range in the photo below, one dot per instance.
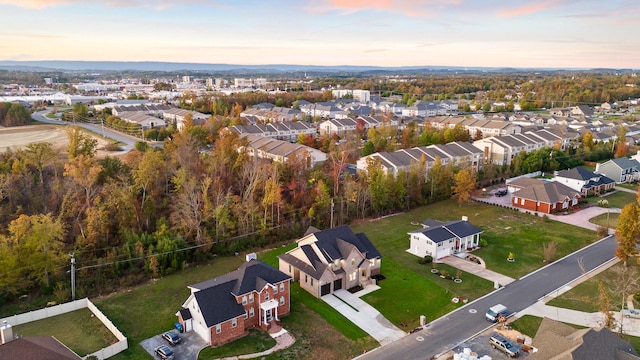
(82, 66)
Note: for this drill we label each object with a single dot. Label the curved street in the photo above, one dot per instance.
(446, 332)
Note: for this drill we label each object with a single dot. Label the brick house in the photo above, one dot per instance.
(544, 196)
(224, 308)
(332, 259)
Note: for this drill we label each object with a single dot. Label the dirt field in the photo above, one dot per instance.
(16, 138)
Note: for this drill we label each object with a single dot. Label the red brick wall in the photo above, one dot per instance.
(532, 205)
(228, 332)
(282, 309)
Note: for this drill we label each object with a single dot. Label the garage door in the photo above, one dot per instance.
(337, 285)
(325, 289)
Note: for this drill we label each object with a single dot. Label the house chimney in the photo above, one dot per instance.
(6, 333)
(250, 256)
(464, 218)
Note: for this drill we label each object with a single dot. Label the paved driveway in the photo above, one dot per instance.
(188, 348)
(364, 315)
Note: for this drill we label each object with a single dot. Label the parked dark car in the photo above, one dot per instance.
(172, 338)
(501, 192)
(164, 352)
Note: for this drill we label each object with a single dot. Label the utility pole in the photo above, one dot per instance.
(73, 277)
(332, 207)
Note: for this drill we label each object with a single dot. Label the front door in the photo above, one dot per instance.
(268, 315)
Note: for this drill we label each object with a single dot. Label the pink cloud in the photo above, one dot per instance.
(406, 7)
(532, 8)
(159, 4)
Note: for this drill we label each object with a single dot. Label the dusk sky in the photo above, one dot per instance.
(513, 33)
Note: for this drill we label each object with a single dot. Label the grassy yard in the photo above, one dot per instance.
(617, 199)
(633, 187)
(585, 296)
(79, 330)
(606, 220)
(256, 341)
(505, 231)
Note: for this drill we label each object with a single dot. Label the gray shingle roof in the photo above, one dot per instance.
(216, 297)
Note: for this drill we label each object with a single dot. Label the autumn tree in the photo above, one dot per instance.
(587, 140)
(628, 232)
(464, 183)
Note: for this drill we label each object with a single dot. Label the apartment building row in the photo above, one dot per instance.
(457, 153)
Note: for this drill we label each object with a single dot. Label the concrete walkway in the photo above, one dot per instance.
(283, 340)
(364, 315)
(477, 270)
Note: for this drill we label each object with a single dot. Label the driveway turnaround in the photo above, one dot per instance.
(364, 315)
(477, 270)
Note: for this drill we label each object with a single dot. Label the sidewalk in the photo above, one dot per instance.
(595, 320)
(364, 315)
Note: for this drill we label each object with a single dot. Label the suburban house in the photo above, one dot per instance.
(144, 120)
(333, 259)
(542, 196)
(36, 348)
(440, 239)
(621, 170)
(584, 181)
(224, 308)
(555, 340)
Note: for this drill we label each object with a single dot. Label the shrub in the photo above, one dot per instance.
(602, 231)
(483, 243)
(427, 259)
(112, 147)
(141, 146)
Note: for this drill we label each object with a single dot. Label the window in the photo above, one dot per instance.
(281, 300)
(352, 276)
(281, 287)
(251, 312)
(246, 315)
(234, 322)
(306, 278)
(250, 298)
(244, 300)
(372, 262)
(353, 261)
(218, 329)
(289, 268)
(311, 281)
(266, 295)
(275, 289)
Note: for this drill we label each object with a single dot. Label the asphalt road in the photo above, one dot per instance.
(447, 332)
(128, 141)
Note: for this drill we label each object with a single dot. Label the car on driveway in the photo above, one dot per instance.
(164, 352)
(172, 338)
(499, 342)
(631, 313)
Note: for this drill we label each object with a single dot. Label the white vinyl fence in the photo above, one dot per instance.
(50, 311)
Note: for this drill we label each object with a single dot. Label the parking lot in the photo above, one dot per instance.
(188, 348)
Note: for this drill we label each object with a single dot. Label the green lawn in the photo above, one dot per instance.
(633, 187)
(606, 220)
(617, 199)
(585, 296)
(79, 330)
(256, 341)
(505, 231)
(426, 296)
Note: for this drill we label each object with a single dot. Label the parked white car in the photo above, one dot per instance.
(631, 313)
